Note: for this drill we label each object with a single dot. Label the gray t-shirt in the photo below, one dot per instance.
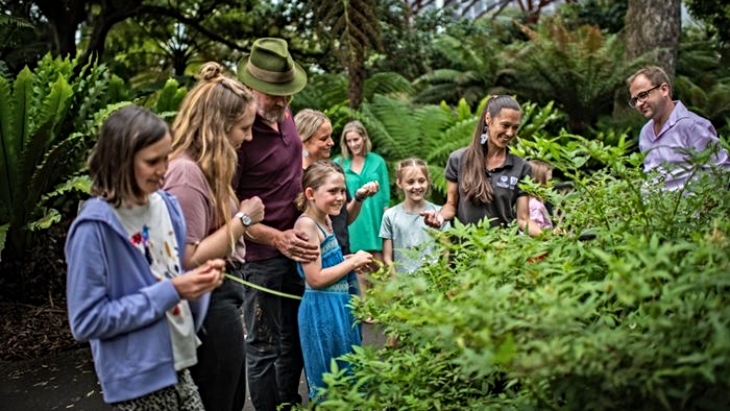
(506, 191)
(412, 246)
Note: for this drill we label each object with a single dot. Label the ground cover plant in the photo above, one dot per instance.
(625, 308)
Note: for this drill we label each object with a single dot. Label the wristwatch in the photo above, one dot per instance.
(245, 218)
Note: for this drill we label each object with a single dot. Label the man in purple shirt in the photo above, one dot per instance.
(673, 132)
(270, 166)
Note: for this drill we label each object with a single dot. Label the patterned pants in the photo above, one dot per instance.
(181, 396)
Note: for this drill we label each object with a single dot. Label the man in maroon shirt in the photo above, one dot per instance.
(270, 166)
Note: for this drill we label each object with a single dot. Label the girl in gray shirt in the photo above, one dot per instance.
(406, 243)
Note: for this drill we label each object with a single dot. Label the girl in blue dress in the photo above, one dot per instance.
(327, 327)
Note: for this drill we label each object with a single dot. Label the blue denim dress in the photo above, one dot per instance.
(327, 328)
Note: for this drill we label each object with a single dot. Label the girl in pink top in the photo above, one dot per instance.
(542, 173)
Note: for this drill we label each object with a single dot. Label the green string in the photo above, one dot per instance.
(260, 288)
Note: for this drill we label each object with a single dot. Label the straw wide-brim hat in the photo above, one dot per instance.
(270, 69)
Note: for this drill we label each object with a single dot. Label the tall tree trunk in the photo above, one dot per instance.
(654, 25)
(356, 80)
(65, 17)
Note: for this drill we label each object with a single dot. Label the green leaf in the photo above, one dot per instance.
(50, 217)
(3, 235)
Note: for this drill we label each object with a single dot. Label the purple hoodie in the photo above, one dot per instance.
(116, 304)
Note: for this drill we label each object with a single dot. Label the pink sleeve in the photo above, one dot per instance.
(186, 181)
(539, 214)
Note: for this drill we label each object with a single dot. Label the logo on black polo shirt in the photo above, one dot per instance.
(509, 182)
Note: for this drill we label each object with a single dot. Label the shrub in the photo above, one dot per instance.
(637, 318)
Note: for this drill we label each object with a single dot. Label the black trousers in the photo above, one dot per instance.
(273, 350)
(220, 373)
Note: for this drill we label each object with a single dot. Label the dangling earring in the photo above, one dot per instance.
(485, 132)
(305, 153)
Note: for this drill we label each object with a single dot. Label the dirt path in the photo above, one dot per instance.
(68, 381)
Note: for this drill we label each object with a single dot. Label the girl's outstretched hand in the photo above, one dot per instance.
(201, 280)
(360, 260)
(433, 219)
(367, 190)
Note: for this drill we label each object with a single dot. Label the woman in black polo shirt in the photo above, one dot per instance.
(482, 178)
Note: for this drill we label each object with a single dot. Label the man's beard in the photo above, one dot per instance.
(273, 116)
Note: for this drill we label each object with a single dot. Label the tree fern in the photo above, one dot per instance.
(579, 69)
(355, 27)
(471, 70)
(329, 90)
(386, 83)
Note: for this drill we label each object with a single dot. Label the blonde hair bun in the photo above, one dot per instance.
(211, 71)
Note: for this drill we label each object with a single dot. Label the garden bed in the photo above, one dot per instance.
(29, 331)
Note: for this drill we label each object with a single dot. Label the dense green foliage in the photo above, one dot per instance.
(638, 318)
(580, 69)
(714, 14)
(49, 119)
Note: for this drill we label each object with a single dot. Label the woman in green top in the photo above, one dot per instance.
(362, 166)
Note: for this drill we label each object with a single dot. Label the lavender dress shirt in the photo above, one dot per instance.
(668, 151)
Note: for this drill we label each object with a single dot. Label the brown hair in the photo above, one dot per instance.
(540, 170)
(655, 74)
(473, 179)
(314, 177)
(308, 121)
(111, 163)
(359, 128)
(202, 127)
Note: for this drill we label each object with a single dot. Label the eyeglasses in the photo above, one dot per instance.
(641, 97)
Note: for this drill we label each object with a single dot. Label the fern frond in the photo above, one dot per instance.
(54, 107)
(57, 161)
(80, 183)
(4, 70)
(90, 92)
(323, 91)
(385, 84)
(8, 154)
(12, 21)
(390, 126)
(24, 105)
(48, 218)
(457, 136)
(3, 237)
(165, 100)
